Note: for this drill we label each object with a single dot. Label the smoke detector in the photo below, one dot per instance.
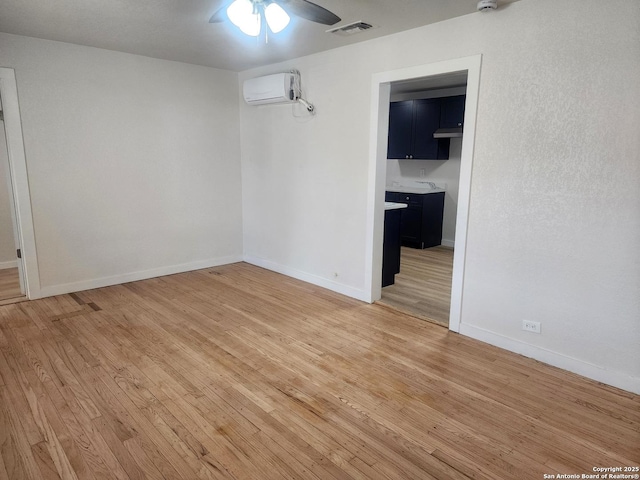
(486, 5)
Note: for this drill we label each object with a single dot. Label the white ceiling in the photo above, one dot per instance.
(179, 29)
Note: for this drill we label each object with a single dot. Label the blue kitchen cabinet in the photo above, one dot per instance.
(412, 124)
(421, 221)
(391, 246)
(452, 111)
(400, 129)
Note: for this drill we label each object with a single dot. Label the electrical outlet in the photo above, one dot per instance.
(531, 326)
(423, 172)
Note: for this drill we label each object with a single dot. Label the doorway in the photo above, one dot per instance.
(18, 250)
(382, 84)
(422, 287)
(11, 284)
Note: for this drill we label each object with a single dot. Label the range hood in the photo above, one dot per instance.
(448, 133)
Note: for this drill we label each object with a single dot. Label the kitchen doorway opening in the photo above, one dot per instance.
(429, 187)
(18, 265)
(446, 264)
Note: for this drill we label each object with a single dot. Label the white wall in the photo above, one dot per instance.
(554, 223)
(132, 163)
(7, 244)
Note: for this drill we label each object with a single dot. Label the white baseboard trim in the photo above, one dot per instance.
(49, 291)
(9, 264)
(309, 278)
(594, 372)
(448, 243)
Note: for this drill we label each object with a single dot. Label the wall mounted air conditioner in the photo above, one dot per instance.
(276, 88)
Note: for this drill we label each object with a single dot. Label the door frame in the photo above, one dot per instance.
(19, 182)
(379, 126)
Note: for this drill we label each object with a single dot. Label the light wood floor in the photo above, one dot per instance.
(423, 286)
(9, 284)
(237, 372)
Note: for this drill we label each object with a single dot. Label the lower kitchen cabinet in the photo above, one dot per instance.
(421, 222)
(391, 246)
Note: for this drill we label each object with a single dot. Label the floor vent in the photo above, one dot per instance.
(351, 28)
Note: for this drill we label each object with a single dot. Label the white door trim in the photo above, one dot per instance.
(380, 94)
(19, 181)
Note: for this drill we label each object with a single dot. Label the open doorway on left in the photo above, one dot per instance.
(11, 286)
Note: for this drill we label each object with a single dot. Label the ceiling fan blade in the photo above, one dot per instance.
(220, 15)
(309, 11)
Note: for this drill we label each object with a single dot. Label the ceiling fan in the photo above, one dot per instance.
(251, 16)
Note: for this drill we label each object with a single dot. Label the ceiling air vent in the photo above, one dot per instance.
(351, 28)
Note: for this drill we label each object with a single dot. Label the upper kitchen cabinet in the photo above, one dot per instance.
(426, 122)
(412, 124)
(400, 129)
(452, 111)
(411, 127)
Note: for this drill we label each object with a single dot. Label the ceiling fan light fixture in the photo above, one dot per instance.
(243, 15)
(277, 18)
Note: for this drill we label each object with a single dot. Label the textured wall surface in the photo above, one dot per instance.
(132, 162)
(554, 223)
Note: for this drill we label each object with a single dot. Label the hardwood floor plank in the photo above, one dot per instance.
(423, 286)
(236, 372)
(160, 423)
(139, 453)
(16, 451)
(72, 416)
(222, 456)
(157, 445)
(118, 449)
(59, 442)
(19, 402)
(12, 466)
(3, 471)
(182, 439)
(284, 435)
(45, 462)
(9, 284)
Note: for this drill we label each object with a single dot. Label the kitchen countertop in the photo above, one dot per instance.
(419, 190)
(394, 205)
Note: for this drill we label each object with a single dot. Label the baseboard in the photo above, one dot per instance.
(9, 264)
(594, 372)
(448, 243)
(52, 290)
(309, 278)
